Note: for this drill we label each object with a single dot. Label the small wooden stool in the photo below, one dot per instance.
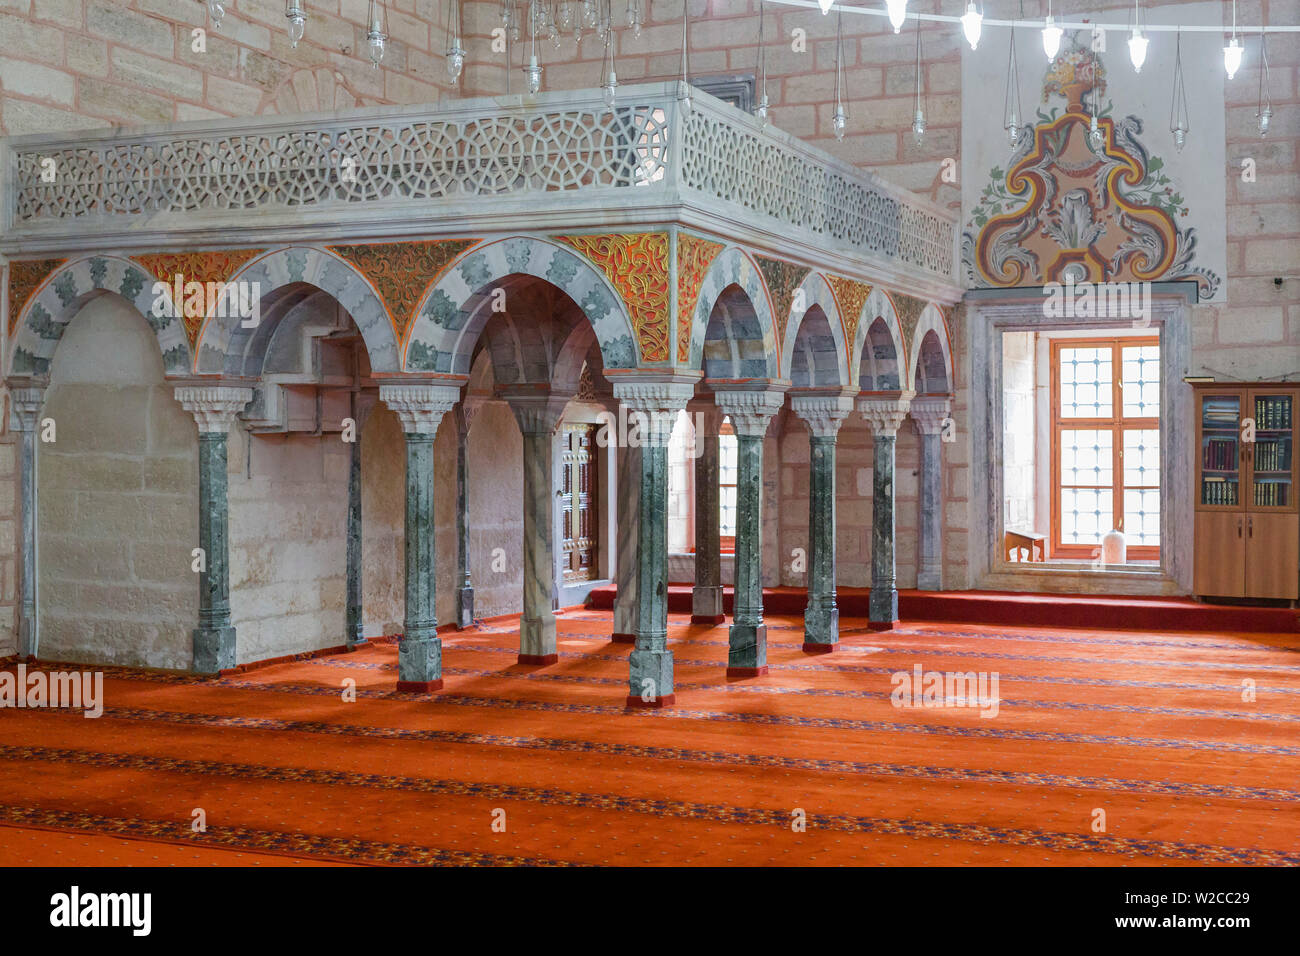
(1033, 546)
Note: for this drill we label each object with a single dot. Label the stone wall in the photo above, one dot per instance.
(118, 502)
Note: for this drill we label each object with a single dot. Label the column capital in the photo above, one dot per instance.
(823, 414)
(420, 407)
(929, 412)
(25, 407)
(885, 414)
(214, 407)
(750, 411)
(656, 405)
(537, 412)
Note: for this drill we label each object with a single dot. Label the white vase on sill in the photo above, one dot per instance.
(1114, 548)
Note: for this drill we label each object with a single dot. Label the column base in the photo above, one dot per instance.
(650, 675)
(813, 647)
(542, 659)
(214, 649)
(634, 701)
(623, 638)
(537, 637)
(747, 650)
(821, 627)
(27, 646)
(418, 686)
(882, 608)
(419, 661)
(706, 605)
(358, 644)
(929, 581)
(464, 608)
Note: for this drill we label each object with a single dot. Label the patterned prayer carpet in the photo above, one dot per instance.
(811, 764)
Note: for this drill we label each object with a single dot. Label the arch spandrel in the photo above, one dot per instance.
(42, 321)
(454, 311)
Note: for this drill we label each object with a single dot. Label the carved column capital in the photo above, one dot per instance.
(655, 406)
(884, 415)
(823, 414)
(929, 412)
(536, 412)
(750, 411)
(420, 407)
(214, 407)
(25, 408)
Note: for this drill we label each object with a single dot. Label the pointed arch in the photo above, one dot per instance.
(733, 271)
(930, 352)
(224, 342)
(879, 355)
(814, 293)
(63, 293)
(454, 311)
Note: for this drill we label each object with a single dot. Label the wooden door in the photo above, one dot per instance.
(578, 503)
(1220, 554)
(1272, 555)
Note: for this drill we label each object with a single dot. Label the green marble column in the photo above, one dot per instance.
(362, 404)
(884, 416)
(24, 418)
(706, 598)
(419, 655)
(654, 407)
(928, 416)
(823, 414)
(750, 413)
(464, 413)
(214, 408)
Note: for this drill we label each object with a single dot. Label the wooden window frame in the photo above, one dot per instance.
(1117, 423)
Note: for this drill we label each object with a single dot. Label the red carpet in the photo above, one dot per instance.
(1017, 608)
(1150, 728)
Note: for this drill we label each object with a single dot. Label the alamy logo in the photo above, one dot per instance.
(197, 300)
(632, 429)
(1098, 300)
(74, 689)
(922, 688)
(75, 909)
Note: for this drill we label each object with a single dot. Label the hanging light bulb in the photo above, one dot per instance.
(297, 17)
(455, 51)
(1011, 101)
(1179, 123)
(1137, 43)
(610, 88)
(1264, 112)
(552, 27)
(761, 110)
(634, 16)
(1232, 57)
(565, 19)
(377, 35)
(897, 13)
(1232, 52)
(684, 84)
(971, 23)
(1051, 36)
(589, 14)
(840, 119)
(216, 10)
(918, 121)
(534, 74)
(826, 5)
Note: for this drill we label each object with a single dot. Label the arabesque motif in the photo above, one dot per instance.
(781, 278)
(24, 279)
(694, 255)
(850, 298)
(636, 264)
(214, 265)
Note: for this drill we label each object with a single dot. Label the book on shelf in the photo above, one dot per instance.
(1273, 412)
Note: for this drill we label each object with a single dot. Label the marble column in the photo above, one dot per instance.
(706, 599)
(24, 418)
(538, 416)
(884, 415)
(823, 414)
(750, 413)
(214, 408)
(464, 417)
(419, 655)
(653, 406)
(629, 512)
(363, 403)
(928, 415)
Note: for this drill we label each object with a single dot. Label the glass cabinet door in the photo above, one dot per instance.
(1220, 451)
(1271, 455)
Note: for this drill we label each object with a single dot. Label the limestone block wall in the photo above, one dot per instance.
(288, 521)
(383, 514)
(496, 507)
(9, 531)
(118, 499)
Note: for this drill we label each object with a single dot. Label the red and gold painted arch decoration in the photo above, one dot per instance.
(24, 279)
(215, 265)
(636, 264)
(850, 298)
(694, 256)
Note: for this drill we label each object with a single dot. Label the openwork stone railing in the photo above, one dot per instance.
(560, 159)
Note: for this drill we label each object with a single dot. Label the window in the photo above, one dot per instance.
(728, 469)
(1105, 445)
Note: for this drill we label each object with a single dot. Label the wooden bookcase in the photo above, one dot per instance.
(1247, 514)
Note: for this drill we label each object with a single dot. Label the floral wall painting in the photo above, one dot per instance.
(1059, 206)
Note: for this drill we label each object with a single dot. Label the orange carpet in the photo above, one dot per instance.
(811, 764)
